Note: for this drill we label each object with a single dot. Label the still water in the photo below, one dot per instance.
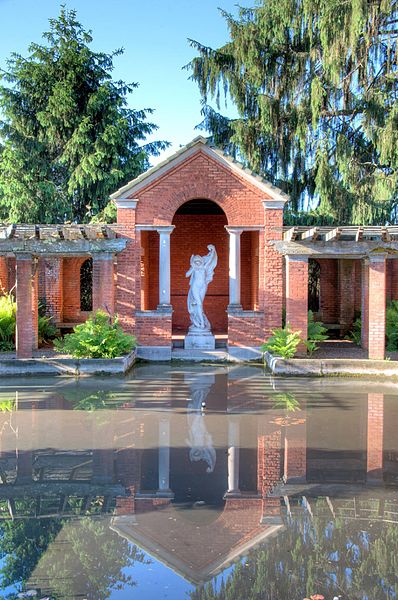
(198, 483)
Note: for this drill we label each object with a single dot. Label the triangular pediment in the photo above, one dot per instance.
(197, 146)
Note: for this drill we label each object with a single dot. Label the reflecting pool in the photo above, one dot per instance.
(198, 483)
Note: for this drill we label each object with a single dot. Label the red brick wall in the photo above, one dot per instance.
(71, 290)
(297, 297)
(295, 463)
(245, 331)
(3, 274)
(271, 280)
(249, 269)
(346, 294)
(103, 284)
(377, 308)
(51, 286)
(128, 280)
(365, 305)
(25, 336)
(269, 461)
(11, 263)
(329, 302)
(358, 286)
(191, 235)
(153, 331)
(393, 265)
(375, 436)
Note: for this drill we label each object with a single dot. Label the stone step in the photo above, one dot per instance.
(199, 355)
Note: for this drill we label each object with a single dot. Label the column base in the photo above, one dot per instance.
(166, 308)
(165, 494)
(202, 341)
(233, 494)
(234, 308)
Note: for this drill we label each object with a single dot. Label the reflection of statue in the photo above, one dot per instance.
(200, 439)
(201, 274)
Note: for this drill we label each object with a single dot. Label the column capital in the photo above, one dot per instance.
(234, 230)
(102, 256)
(167, 229)
(274, 204)
(23, 256)
(379, 257)
(296, 257)
(126, 203)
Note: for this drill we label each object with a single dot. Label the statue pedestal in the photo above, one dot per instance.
(200, 341)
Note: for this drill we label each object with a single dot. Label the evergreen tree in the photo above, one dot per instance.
(315, 85)
(68, 138)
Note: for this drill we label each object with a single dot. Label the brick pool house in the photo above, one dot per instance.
(136, 267)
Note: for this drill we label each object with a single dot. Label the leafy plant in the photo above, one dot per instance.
(8, 311)
(99, 337)
(316, 332)
(46, 329)
(392, 326)
(355, 333)
(283, 342)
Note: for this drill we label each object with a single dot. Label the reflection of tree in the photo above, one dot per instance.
(65, 558)
(356, 559)
(91, 562)
(22, 543)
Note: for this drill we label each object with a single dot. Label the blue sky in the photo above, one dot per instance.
(154, 35)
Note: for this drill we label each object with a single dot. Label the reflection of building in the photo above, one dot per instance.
(135, 461)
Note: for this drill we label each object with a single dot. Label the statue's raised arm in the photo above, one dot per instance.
(210, 262)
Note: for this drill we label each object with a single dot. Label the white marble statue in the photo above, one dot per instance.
(201, 274)
(200, 440)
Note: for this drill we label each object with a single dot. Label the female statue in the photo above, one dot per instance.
(201, 274)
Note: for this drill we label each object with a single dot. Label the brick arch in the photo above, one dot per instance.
(184, 196)
(192, 234)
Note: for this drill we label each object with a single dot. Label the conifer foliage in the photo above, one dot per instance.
(68, 137)
(315, 83)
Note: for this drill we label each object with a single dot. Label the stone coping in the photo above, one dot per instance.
(331, 367)
(75, 367)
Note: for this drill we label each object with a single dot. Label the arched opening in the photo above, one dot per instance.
(86, 285)
(198, 223)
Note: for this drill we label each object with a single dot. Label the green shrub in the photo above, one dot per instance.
(316, 332)
(99, 337)
(8, 312)
(392, 326)
(355, 333)
(283, 342)
(46, 329)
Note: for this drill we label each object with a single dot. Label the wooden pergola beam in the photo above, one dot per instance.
(290, 235)
(359, 234)
(334, 234)
(310, 234)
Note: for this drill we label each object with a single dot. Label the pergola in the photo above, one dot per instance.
(28, 243)
(372, 246)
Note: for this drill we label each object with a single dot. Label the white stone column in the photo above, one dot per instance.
(234, 267)
(164, 265)
(233, 457)
(164, 458)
